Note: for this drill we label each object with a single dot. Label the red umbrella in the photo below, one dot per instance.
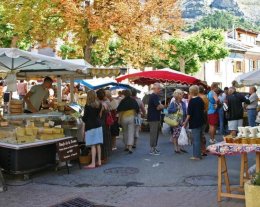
(163, 76)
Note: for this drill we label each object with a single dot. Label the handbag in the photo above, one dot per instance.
(171, 120)
(109, 119)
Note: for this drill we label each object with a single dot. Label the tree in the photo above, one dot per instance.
(135, 23)
(38, 21)
(8, 38)
(186, 54)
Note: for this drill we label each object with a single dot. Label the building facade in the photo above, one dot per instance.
(244, 47)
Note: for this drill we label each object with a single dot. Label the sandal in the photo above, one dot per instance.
(195, 158)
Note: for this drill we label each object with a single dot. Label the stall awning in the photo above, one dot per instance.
(106, 72)
(24, 64)
(115, 85)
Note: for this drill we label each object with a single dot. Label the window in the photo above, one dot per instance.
(258, 65)
(238, 67)
(217, 66)
(251, 65)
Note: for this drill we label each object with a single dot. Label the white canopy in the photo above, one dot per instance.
(25, 63)
(249, 79)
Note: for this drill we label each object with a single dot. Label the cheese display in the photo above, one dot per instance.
(31, 128)
(25, 135)
(50, 133)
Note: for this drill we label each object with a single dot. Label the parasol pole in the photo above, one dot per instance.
(165, 93)
(71, 89)
(59, 89)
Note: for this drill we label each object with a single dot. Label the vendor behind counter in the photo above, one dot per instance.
(37, 96)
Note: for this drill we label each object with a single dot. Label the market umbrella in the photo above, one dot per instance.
(249, 79)
(13, 60)
(114, 85)
(19, 63)
(164, 76)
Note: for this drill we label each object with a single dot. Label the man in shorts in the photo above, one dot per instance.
(235, 110)
(212, 112)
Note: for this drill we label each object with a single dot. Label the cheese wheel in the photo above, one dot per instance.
(20, 131)
(16, 106)
(28, 131)
(46, 125)
(3, 123)
(46, 136)
(16, 102)
(20, 110)
(35, 130)
(47, 131)
(56, 130)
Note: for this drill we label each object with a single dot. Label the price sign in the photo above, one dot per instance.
(68, 149)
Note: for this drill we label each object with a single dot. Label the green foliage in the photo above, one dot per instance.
(187, 54)
(7, 34)
(225, 21)
(107, 55)
(66, 51)
(256, 179)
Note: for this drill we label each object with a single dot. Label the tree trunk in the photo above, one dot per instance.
(87, 53)
(182, 65)
(14, 42)
(87, 49)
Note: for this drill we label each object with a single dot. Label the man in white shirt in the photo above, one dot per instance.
(251, 108)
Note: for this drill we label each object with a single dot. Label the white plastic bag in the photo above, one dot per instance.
(166, 129)
(183, 138)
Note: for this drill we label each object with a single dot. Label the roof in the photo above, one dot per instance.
(247, 31)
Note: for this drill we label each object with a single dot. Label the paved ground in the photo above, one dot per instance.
(139, 179)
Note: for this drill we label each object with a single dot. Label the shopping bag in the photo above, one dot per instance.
(183, 138)
(138, 120)
(166, 129)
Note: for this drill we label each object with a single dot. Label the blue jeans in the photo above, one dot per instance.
(221, 121)
(251, 113)
(196, 135)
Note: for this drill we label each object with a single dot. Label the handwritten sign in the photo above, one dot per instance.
(68, 149)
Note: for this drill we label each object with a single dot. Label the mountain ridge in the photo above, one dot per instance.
(196, 9)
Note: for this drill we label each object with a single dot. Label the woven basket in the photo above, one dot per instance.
(85, 160)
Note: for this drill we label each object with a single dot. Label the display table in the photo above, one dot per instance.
(224, 149)
(30, 157)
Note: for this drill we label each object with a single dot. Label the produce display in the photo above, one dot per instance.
(246, 135)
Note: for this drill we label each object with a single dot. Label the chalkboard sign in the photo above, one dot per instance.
(68, 149)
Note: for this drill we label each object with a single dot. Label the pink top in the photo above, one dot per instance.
(22, 88)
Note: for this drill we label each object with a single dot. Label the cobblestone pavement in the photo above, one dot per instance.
(139, 179)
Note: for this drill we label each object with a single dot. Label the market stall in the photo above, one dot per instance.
(28, 141)
(233, 146)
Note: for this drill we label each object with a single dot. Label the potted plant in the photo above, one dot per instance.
(252, 191)
(85, 155)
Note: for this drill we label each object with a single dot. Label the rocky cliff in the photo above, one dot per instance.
(195, 9)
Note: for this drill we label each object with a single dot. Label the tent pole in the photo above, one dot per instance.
(165, 94)
(71, 89)
(59, 89)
